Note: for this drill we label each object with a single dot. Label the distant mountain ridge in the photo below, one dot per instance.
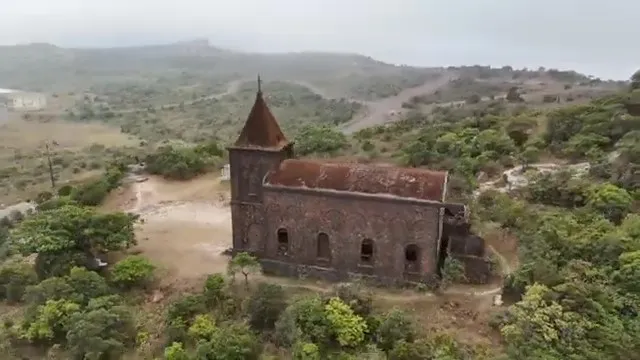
(45, 67)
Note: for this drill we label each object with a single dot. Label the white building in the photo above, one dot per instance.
(22, 100)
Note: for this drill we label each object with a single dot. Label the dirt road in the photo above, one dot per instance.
(390, 109)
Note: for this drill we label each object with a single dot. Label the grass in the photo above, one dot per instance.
(293, 105)
(80, 154)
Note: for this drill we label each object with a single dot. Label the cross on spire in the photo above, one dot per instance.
(259, 84)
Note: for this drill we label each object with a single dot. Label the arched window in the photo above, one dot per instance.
(412, 258)
(366, 252)
(283, 242)
(323, 247)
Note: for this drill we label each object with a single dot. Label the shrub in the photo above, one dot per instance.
(180, 163)
(86, 285)
(313, 139)
(56, 203)
(65, 190)
(203, 327)
(91, 194)
(266, 304)
(186, 308)
(132, 271)
(175, 351)
(213, 291)
(452, 272)
(14, 279)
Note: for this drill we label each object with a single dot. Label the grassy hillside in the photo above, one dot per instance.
(220, 118)
(198, 65)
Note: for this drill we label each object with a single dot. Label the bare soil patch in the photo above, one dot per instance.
(185, 226)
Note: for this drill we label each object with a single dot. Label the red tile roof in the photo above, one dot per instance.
(370, 179)
(261, 129)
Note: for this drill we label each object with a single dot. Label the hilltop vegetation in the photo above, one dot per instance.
(219, 118)
(162, 70)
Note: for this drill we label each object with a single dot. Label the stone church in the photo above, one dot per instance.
(336, 221)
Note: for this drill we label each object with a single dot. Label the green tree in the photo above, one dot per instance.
(635, 80)
(313, 139)
(396, 326)
(132, 271)
(203, 328)
(175, 351)
(629, 271)
(348, 328)
(306, 351)
(529, 156)
(100, 333)
(213, 291)
(68, 236)
(86, 285)
(54, 288)
(245, 264)
(51, 321)
(15, 278)
(420, 350)
(613, 202)
(305, 317)
(520, 128)
(233, 342)
(266, 304)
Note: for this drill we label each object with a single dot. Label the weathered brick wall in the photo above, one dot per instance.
(476, 269)
(391, 223)
(248, 168)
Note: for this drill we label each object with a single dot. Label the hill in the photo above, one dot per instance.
(48, 68)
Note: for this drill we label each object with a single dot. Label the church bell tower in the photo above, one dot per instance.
(260, 147)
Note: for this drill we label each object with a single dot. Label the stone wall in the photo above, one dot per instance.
(403, 235)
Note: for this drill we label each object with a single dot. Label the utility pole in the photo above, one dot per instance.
(51, 175)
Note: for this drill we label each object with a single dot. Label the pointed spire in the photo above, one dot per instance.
(261, 130)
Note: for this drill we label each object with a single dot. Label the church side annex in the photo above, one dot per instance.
(339, 220)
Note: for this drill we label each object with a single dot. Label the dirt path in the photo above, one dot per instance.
(515, 178)
(390, 109)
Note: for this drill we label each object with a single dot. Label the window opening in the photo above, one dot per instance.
(324, 248)
(366, 251)
(283, 242)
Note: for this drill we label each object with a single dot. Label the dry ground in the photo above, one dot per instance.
(22, 153)
(31, 135)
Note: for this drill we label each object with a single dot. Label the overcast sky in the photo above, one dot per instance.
(598, 37)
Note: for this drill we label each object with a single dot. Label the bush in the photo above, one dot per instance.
(132, 271)
(14, 280)
(266, 304)
(175, 351)
(320, 140)
(91, 194)
(56, 203)
(65, 190)
(452, 272)
(181, 163)
(213, 291)
(186, 308)
(86, 285)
